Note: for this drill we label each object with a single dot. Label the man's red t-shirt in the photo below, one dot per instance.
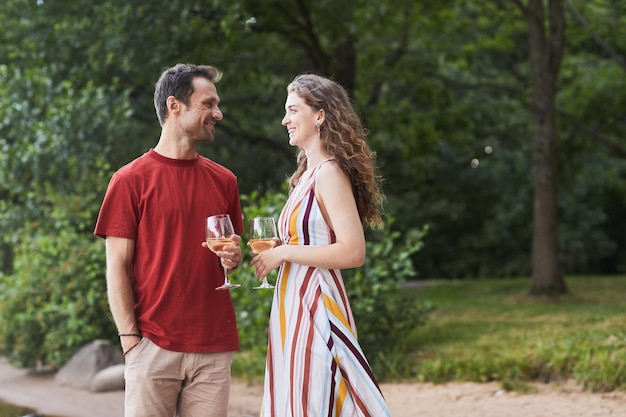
(162, 205)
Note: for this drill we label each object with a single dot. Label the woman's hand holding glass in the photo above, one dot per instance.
(263, 237)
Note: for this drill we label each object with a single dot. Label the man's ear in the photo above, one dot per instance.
(173, 105)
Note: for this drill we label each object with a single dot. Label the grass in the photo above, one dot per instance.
(491, 330)
(10, 410)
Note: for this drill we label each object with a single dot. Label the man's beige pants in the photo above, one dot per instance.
(162, 383)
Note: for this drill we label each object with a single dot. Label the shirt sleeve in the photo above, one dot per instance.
(119, 212)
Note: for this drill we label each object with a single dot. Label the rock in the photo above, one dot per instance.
(87, 362)
(108, 379)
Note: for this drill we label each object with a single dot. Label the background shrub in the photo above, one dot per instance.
(55, 302)
(381, 311)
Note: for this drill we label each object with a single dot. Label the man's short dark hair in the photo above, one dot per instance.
(177, 81)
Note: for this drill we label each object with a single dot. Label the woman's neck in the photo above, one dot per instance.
(313, 159)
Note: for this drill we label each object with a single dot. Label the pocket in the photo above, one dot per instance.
(135, 349)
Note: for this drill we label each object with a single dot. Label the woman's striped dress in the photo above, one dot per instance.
(315, 366)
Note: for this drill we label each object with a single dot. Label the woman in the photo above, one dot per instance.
(315, 365)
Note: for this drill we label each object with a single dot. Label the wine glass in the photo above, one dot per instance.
(219, 231)
(262, 237)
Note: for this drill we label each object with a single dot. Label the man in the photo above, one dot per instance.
(178, 333)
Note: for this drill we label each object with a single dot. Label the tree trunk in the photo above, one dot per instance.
(546, 51)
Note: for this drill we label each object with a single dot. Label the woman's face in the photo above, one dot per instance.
(300, 121)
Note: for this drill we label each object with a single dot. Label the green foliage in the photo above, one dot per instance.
(55, 301)
(435, 82)
(382, 313)
(52, 137)
(253, 306)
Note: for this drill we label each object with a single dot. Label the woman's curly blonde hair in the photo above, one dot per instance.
(343, 137)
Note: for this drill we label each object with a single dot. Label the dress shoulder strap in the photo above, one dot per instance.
(318, 196)
(332, 158)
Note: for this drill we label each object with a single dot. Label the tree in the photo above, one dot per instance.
(546, 53)
(436, 82)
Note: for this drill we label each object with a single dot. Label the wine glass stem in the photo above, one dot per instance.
(264, 284)
(225, 276)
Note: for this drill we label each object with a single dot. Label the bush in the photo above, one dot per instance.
(55, 302)
(382, 313)
(56, 299)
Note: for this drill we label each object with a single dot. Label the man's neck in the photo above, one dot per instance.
(175, 149)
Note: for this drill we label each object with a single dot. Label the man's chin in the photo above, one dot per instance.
(206, 139)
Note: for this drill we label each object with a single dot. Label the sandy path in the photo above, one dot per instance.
(405, 400)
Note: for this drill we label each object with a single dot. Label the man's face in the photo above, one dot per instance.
(197, 120)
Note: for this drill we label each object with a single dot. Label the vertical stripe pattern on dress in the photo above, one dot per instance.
(315, 366)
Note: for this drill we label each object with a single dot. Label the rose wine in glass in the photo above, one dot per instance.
(262, 237)
(219, 230)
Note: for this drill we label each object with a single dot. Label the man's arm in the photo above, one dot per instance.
(119, 256)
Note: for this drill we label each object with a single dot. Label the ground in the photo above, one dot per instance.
(38, 391)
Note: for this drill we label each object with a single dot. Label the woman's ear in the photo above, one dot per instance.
(321, 116)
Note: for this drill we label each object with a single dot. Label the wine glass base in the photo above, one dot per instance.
(263, 286)
(227, 286)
